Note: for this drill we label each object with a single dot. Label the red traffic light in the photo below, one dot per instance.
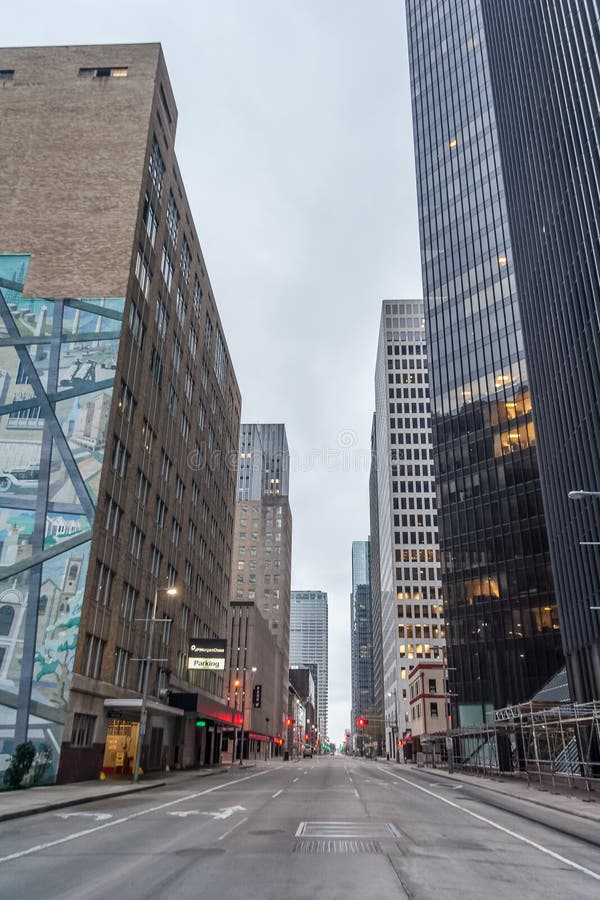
(362, 722)
(289, 722)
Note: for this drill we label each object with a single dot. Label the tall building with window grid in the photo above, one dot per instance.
(309, 624)
(412, 607)
(120, 412)
(503, 633)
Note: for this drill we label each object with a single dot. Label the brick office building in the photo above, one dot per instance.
(119, 418)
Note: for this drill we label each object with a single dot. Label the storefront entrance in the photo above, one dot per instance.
(119, 750)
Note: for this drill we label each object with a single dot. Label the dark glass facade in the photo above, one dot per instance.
(546, 82)
(502, 621)
(361, 634)
(375, 577)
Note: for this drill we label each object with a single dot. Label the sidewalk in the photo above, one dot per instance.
(29, 801)
(571, 803)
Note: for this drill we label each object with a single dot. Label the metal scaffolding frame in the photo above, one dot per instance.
(550, 744)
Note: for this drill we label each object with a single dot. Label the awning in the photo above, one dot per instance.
(206, 707)
(134, 706)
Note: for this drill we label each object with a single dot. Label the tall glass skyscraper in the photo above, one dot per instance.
(503, 633)
(361, 632)
(546, 79)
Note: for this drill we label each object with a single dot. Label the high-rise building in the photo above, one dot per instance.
(412, 607)
(115, 376)
(309, 647)
(361, 634)
(262, 546)
(375, 579)
(503, 633)
(545, 78)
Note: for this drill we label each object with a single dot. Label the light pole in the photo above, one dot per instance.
(583, 495)
(171, 592)
(395, 726)
(252, 669)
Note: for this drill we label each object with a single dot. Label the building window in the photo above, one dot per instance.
(166, 267)
(113, 516)
(136, 325)
(150, 220)
(180, 308)
(121, 666)
(104, 579)
(193, 341)
(136, 541)
(156, 167)
(156, 366)
(186, 261)
(433, 709)
(221, 363)
(173, 219)
(93, 656)
(161, 317)
(141, 489)
(104, 72)
(130, 596)
(119, 458)
(7, 74)
(155, 561)
(143, 273)
(82, 734)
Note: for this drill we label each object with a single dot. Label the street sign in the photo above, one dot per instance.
(257, 696)
(206, 654)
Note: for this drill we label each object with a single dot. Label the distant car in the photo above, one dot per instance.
(307, 752)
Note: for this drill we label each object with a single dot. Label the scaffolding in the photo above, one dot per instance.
(537, 741)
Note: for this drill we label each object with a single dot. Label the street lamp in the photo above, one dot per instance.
(170, 591)
(583, 495)
(245, 669)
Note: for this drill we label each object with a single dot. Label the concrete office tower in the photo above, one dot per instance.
(361, 634)
(115, 393)
(412, 608)
(544, 72)
(503, 635)
(262, 547)
(309, 647)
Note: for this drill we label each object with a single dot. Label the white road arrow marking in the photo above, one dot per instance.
(98, 816)
(223, 813)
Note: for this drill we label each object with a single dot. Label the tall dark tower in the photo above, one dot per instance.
(502, 632)
(546, 78)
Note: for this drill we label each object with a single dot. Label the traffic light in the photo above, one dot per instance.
(289, 722)
(307, 737)
(362, 722)
(257, 696)
(200, 723)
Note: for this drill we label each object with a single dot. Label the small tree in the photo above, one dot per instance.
(20, 764)
(42, 762)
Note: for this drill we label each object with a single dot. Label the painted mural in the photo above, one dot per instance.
(57, 365)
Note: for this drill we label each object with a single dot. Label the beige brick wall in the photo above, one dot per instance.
(72, 164)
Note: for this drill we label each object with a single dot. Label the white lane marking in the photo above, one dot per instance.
(135, 815)
(224, 813)
(99, 817)
(233, 827)
(306, 772)
(278, 793)
(300, 829)
(295, 780)
(357, 794)
(515, 834)
(350, 779)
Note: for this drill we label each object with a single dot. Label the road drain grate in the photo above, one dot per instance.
(337, 846)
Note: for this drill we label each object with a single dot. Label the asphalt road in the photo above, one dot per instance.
(315, 829)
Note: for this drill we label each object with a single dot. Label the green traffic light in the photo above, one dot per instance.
(200, 723)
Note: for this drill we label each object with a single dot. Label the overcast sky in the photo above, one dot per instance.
(295, 145)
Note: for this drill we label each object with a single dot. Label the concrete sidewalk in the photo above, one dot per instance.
(29, 801)
(573, 803)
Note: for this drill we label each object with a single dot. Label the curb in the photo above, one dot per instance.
(77, 801)
(535, 801)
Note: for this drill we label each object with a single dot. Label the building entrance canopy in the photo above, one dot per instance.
(118, 707)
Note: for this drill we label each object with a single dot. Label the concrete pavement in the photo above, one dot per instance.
(326, 828)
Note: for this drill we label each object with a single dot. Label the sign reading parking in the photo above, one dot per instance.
(206, 654)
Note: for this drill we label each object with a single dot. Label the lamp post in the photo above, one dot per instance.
(252, 669)
(170, 592)
(583, 495)
(395, 725)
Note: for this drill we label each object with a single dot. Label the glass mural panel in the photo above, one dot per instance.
(57, 363)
